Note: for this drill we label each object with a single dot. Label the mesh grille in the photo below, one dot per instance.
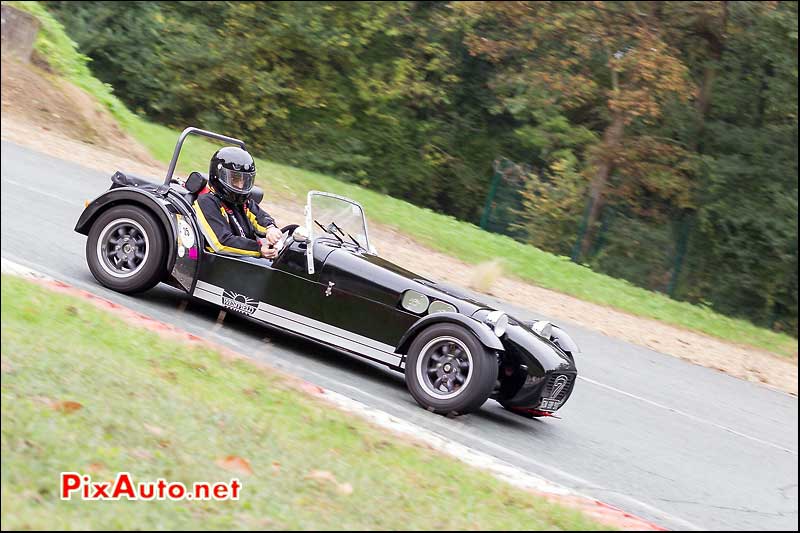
(558, 386)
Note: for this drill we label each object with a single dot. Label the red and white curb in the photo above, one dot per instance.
(10, 267)
(500, 469)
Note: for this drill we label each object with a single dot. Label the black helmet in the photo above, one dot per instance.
(232, 174)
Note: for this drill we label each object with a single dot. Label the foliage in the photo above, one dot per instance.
(552, 206)
(461, 239)
(681, 115)
(747, 220)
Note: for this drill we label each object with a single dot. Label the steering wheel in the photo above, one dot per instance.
(289, 229)
(283, 244)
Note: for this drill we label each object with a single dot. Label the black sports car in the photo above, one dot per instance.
(329, 285)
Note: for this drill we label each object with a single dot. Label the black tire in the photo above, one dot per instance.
(143, 265)
(460, 390)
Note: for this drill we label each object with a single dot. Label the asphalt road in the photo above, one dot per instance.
(684, 446)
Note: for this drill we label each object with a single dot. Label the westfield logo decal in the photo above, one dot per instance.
(239, 302)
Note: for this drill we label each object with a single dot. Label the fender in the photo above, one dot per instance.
(531, 359)
(559, 336)
(485, 335)
(135, 196)
(564, 341)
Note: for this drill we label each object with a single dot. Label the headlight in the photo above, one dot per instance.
(543, 328)
(498, 321)
(438, 306)
(414, 301)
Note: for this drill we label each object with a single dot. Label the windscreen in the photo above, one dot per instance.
(337, 217)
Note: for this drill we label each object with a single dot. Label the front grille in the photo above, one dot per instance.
(558, 386)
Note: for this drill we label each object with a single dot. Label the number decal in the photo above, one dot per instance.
(185, 233)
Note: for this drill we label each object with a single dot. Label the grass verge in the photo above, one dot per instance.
(161, 409)
(456, 238)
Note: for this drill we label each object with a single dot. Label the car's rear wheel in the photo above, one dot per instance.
(126, 250)
(448, 371)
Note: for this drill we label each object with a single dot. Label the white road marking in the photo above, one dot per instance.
(471, 455)
(38, 191)
(688, 415)
(8, 266)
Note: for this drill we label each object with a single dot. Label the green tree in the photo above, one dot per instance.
(743, 257)
(675, 123)
(607, 59)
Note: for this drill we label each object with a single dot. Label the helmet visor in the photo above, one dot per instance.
(237, 180)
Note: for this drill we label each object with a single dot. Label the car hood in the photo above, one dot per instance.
(469, 306)
(377, 279)
(382, 280)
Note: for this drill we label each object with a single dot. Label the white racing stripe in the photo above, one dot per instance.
(688, 415)
(309, 327)
(209, 287)
(271, 309)
(207, 295)
(212, 293)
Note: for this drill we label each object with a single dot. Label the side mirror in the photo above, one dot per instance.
(257, 194)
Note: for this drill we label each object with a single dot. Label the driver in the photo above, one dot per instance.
(230, 220)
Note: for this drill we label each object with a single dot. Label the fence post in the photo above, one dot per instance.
(576, 250)
(600, 240)
(680, 254)
(487, 210)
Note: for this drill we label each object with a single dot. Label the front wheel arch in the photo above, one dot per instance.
(481, 331)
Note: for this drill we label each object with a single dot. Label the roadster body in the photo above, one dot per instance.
(329, 285)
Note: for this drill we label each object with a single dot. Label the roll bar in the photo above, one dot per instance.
(196, 131)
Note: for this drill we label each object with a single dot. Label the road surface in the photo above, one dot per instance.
(684, 446)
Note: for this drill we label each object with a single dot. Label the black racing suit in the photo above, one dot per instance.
(232, 228)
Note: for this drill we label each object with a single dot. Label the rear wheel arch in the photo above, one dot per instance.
(117, 198)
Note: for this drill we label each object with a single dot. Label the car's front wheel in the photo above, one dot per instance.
(125, 249)
(448, 371)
